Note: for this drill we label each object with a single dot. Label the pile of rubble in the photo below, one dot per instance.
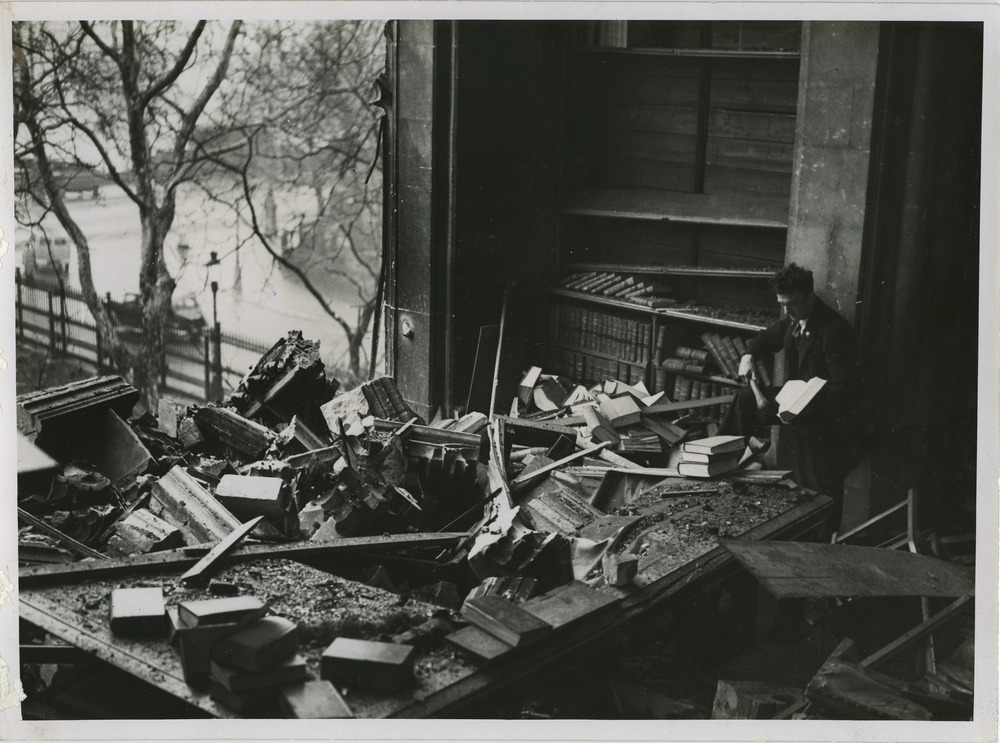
(504, 531)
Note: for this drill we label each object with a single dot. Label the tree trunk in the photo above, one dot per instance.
(156, 289)
(357, 338)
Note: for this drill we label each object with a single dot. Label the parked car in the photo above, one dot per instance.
(185, 321)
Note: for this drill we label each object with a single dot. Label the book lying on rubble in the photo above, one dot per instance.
(504, 620)
(220, 611)
(714, 445)
(258, 646)
(291, 670)
(795, 396)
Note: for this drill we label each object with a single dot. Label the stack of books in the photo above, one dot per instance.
(196, 625)
(249, 666)
(711, 456)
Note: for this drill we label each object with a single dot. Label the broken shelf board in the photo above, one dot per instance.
(660, 586)
(802, 570)
(179, 560)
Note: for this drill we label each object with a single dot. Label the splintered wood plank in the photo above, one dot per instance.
(199, 573)
(181, 559)
(801, 570)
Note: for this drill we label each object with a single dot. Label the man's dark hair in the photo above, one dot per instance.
(792, 279)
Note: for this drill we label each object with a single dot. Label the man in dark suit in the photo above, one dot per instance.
(817, 342)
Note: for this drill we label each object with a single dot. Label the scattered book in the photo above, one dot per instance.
(528, 383)
(244, 702)
(290, 671)
(382, 666)
(258, 645)
(313, 700)
(621, 410)
(795, 396)
(671, 433)
(195, 645)
(220, 611)
(600, 428)
(715, 445)
(137, 612)
(550, 393)
(505, 621)
(479, 644)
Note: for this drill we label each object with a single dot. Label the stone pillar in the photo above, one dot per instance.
(832, 146)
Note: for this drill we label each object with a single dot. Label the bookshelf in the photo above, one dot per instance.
(676, 175)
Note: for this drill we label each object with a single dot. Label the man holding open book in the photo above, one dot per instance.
(818, 404)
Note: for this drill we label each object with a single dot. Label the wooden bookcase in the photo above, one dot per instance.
(677, 165)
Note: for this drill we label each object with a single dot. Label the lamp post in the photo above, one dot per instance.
(215, 389)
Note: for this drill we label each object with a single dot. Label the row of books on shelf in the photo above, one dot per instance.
(641, 289)
(582, 366)
(623, 338)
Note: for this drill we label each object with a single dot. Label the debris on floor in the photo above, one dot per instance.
(292, 551)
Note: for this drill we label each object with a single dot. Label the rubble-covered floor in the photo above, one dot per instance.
(582, 520)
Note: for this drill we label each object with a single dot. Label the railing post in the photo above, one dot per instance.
(52, 322)
(216, 364)
(62, 320)
(208, 380)
(20, 303)
(100, 350)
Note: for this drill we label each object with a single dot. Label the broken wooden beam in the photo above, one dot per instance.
(157, 562)
(523, 481)
(199, 572)
(534, 433)
(922, 630)
(843, 690)
(231, 429)
(676, 407)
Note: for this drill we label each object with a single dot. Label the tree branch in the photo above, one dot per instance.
(169, 77)
(191, 119)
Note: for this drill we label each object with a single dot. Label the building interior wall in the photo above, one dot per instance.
(912, 262)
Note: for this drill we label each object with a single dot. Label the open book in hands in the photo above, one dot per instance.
(793, 398)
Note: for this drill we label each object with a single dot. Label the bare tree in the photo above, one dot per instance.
(301, 129)
(124, 99)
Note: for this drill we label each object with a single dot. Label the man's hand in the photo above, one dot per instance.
(746, 366)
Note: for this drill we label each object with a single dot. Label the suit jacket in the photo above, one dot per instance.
(827, 350)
